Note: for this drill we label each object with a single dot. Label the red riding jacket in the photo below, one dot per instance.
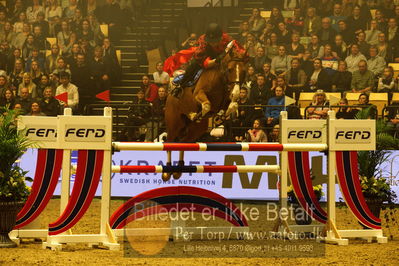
(205, 52)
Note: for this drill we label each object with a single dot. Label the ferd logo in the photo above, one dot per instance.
(41, 133)
(85, 134)
(353, 135)
(304, 135)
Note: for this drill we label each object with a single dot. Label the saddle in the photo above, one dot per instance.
(177, 80)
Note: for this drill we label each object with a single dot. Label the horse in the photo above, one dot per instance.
(216, 92)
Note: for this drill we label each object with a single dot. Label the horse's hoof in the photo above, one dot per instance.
(192, 116)
(177, 175)
(166, 176)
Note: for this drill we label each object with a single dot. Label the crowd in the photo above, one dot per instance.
(51, 47)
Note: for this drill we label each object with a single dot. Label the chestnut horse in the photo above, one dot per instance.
(216, 92)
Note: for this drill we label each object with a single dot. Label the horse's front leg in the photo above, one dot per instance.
(201, 98)
(234, 96)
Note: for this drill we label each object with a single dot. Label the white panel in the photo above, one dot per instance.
(304, 131)
(40, 129)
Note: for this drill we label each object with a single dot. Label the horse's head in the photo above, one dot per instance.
(234, 65)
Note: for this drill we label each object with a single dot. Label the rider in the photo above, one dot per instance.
(211, 49)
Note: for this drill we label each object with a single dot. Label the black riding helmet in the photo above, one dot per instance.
(213, 33)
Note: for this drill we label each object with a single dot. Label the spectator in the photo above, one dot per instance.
(362, 79)
(18, 25)
(256, 134)
(63, 37)
(276, 17)
(70, 89)
(241, 36)
(259, 60)
(7, 99)
(244, 115)
(36, 74)
(296, 79)
(312, 23)
(16, 75)
(32, 11)
(336, 16)
(281, 63)
(386, 83)
(345, 112)
(267, 31)
(329, 59)
(110, 56)
(51, 59)
(339, 47)
(319, 80)
(284, 35)
(326, 34)
(307, 63)
(256, 22)
(84, 31)
(295, 49)
(48, 104)
(273, 113)
(315, 48)
(149, 88)
(67, 49)
(24, 100)
(16, 54)
(53, 10)
(111, 14)
(275, 134)
(28, 84)
(69, 11)
(191, 41)
(77, 20)
(324, 7)
(321, 106)
(384, 48)
(343, 30)
(42, 23)
(375, 63)
(16, 10)
(372, 33)
(361, 42)
(43, 84)
(91, 7)
(70, 60)
(83, 81)
(28, 46)
(296, 22)
(260, 93)
(251, 45)
(356, 23)
(393, 32)
(35, 110)
(158, 111)
(272, 46)
(381, 21)
(363, 101)
(138, 114)
(353, 59)
(3, 84)
(61, 67)
(100, 69)
(342, 78)
(290, 5)
(393, 117)
(34, 56)
(161, 78)
(7, 34)
(250, 76)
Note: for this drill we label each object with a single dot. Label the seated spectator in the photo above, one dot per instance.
(295, 49)
(40, 39)
(32, 11)
(321, 106)
(339, 47)
(271, 46)
(336, 16)
(7, 99)
(250, 76)
(28, 84)
(315, 48)
(259, 60)
(36, 74)
(267, 31)
(3, 83)
(384, 48)
(312, 23)
(276, 17)
(90, 8)
(363, 101)
(329, 59)
(270, 78)
(356, 22)
(191, 41)
(7, 34)
(63, 37)
(324, 7)
(342, 78)
(16, 76)
(85, 48)
(281, 63)
(345, 112)
(347, 36)
(241, 36)
(284, 35)
(100, 68)
(273, 113)
(161, 78)
(16, 10)
(61, 67)
(53, 10)
(77, 23)
(326, 34)
(73, 39)
(386, 83)
(353, 59)
(393, 117)
(375, 63)
(149, 88)
(260, 93)
(244, 115)
(71, 89)
(296, 79)
(138, 114)
(256, 22)
(24, 100)
(71, 58)
(256, 134)
(275, 134)
(251, 44)
(35, 110)
(28, 46)
(158, 115)
(69, 11)
(362, 79)
(361, 42)
(43, 84)
(319, 79)
(18, 25)
(393, 32)
(307, 63)
(20, 38)
(296, 22)
(372, 33)
(48, 104)
(84, 31)
(51, 59)
(35, 56)
(381, 21)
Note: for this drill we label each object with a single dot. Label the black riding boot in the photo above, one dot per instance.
(188, 76)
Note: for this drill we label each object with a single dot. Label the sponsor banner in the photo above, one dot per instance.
(304, 131)
(42, 130)
(247, 186)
